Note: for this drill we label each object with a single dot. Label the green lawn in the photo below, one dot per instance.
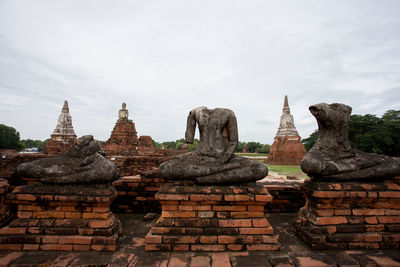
(291, 170)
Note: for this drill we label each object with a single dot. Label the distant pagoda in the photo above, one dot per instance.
(63, 136)
(287, 148)
(123, 139)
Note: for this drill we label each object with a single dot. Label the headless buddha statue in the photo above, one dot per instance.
(332, 157)
(213, 162)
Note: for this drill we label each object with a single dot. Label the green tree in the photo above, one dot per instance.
(265, 149)
(252, 146)
(9, 138)
(310, 141)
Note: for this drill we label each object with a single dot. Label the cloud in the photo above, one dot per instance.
(164, 58)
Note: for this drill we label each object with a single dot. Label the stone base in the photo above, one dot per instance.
(212, 218)
(137, 193)
(351, 215)
(62, 217)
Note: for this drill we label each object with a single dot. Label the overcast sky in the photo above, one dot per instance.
(164, 58)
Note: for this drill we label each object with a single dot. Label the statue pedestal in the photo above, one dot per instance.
(351, 215)
(62, 217)
(212, 218)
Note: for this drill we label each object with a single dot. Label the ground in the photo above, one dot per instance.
(131, 252)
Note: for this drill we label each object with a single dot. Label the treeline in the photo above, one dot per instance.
(10, 139)
(371, 134)
(251, 147)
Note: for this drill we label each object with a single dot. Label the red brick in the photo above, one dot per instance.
(389, 219)
(266, 198)
(371, 220)
(264, 247)
(81, 247)
(157, 247)
(231, 208)
(26, 197)
(101, 223)
(238, 197)
(270, 238)
(234, 223)
(372, 237)
(50, 239)
(227, 239)
(100, 209)
(331, 220)
(170, 202)
(256, 231)
(247, 214)
(72, 215)
(391, 194)
(10, 246)
(328, 194)
(328, 212)
(153, 239)
(207, 248)
(56, 247)
(48, 214)
(12, 231)
(178, 214)
(235, 247)
(104, 247)
(342, 212)
(169, 207)
(181, 247)
(200, 197)
(172, 196)
(24, 214)
(95, 215)
(76, 240)
(260, 222)
(374, 228)
(384, 261)
(363, 245)
(255, 208)
(208, 239)
(355, 194)
(368, 212)
(84, 231)
(30, 247)
(167, 230)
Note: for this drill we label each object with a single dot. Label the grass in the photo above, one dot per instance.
(291, 170)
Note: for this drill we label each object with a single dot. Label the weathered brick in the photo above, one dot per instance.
(372, 237)
(264, 198)
(153, 238)
(201, 197)
(363, 245)
(30, 247)
(180, 247)
(10, 246)
(50, 239)
(255, 208)
(81, 247)
(389, 219)
(238, 197)
(208, 239)
(368, 212)
(256, 231)
(262, 247)
(12, 231)
(234, 223)
(157, 247)
(56, 247)
(76, 240)
(371, 220)
(200, 247)
(172, 196)
(180, 239)
(231, 208)
(247, 214)
(262, 222)
(391, 194)
(330, 220)
(235, 247)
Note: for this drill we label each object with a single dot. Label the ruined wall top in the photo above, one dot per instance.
(286, 125)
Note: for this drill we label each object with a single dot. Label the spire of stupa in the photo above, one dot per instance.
(286, 125)
(64, 129)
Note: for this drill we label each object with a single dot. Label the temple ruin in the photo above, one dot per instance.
(287, 148)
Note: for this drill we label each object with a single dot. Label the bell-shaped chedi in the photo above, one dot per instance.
(123, 139)
(63, 136)
(287, 148)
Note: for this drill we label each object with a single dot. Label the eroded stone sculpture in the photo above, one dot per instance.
(84, 163)
(123, 112)
(332, 157)
(214, 161)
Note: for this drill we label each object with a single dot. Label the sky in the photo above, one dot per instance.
(164, 58)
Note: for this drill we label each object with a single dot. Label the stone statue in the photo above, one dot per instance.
(332, 157)
(84, 163)
(214, 161)
(123, 112)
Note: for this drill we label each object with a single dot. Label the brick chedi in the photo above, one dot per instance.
(287, 147)
(146, 145)
(123, 139)
(63, 136)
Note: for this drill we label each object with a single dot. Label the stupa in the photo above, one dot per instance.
(287, 148)
(123, 139)
(63, 136)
